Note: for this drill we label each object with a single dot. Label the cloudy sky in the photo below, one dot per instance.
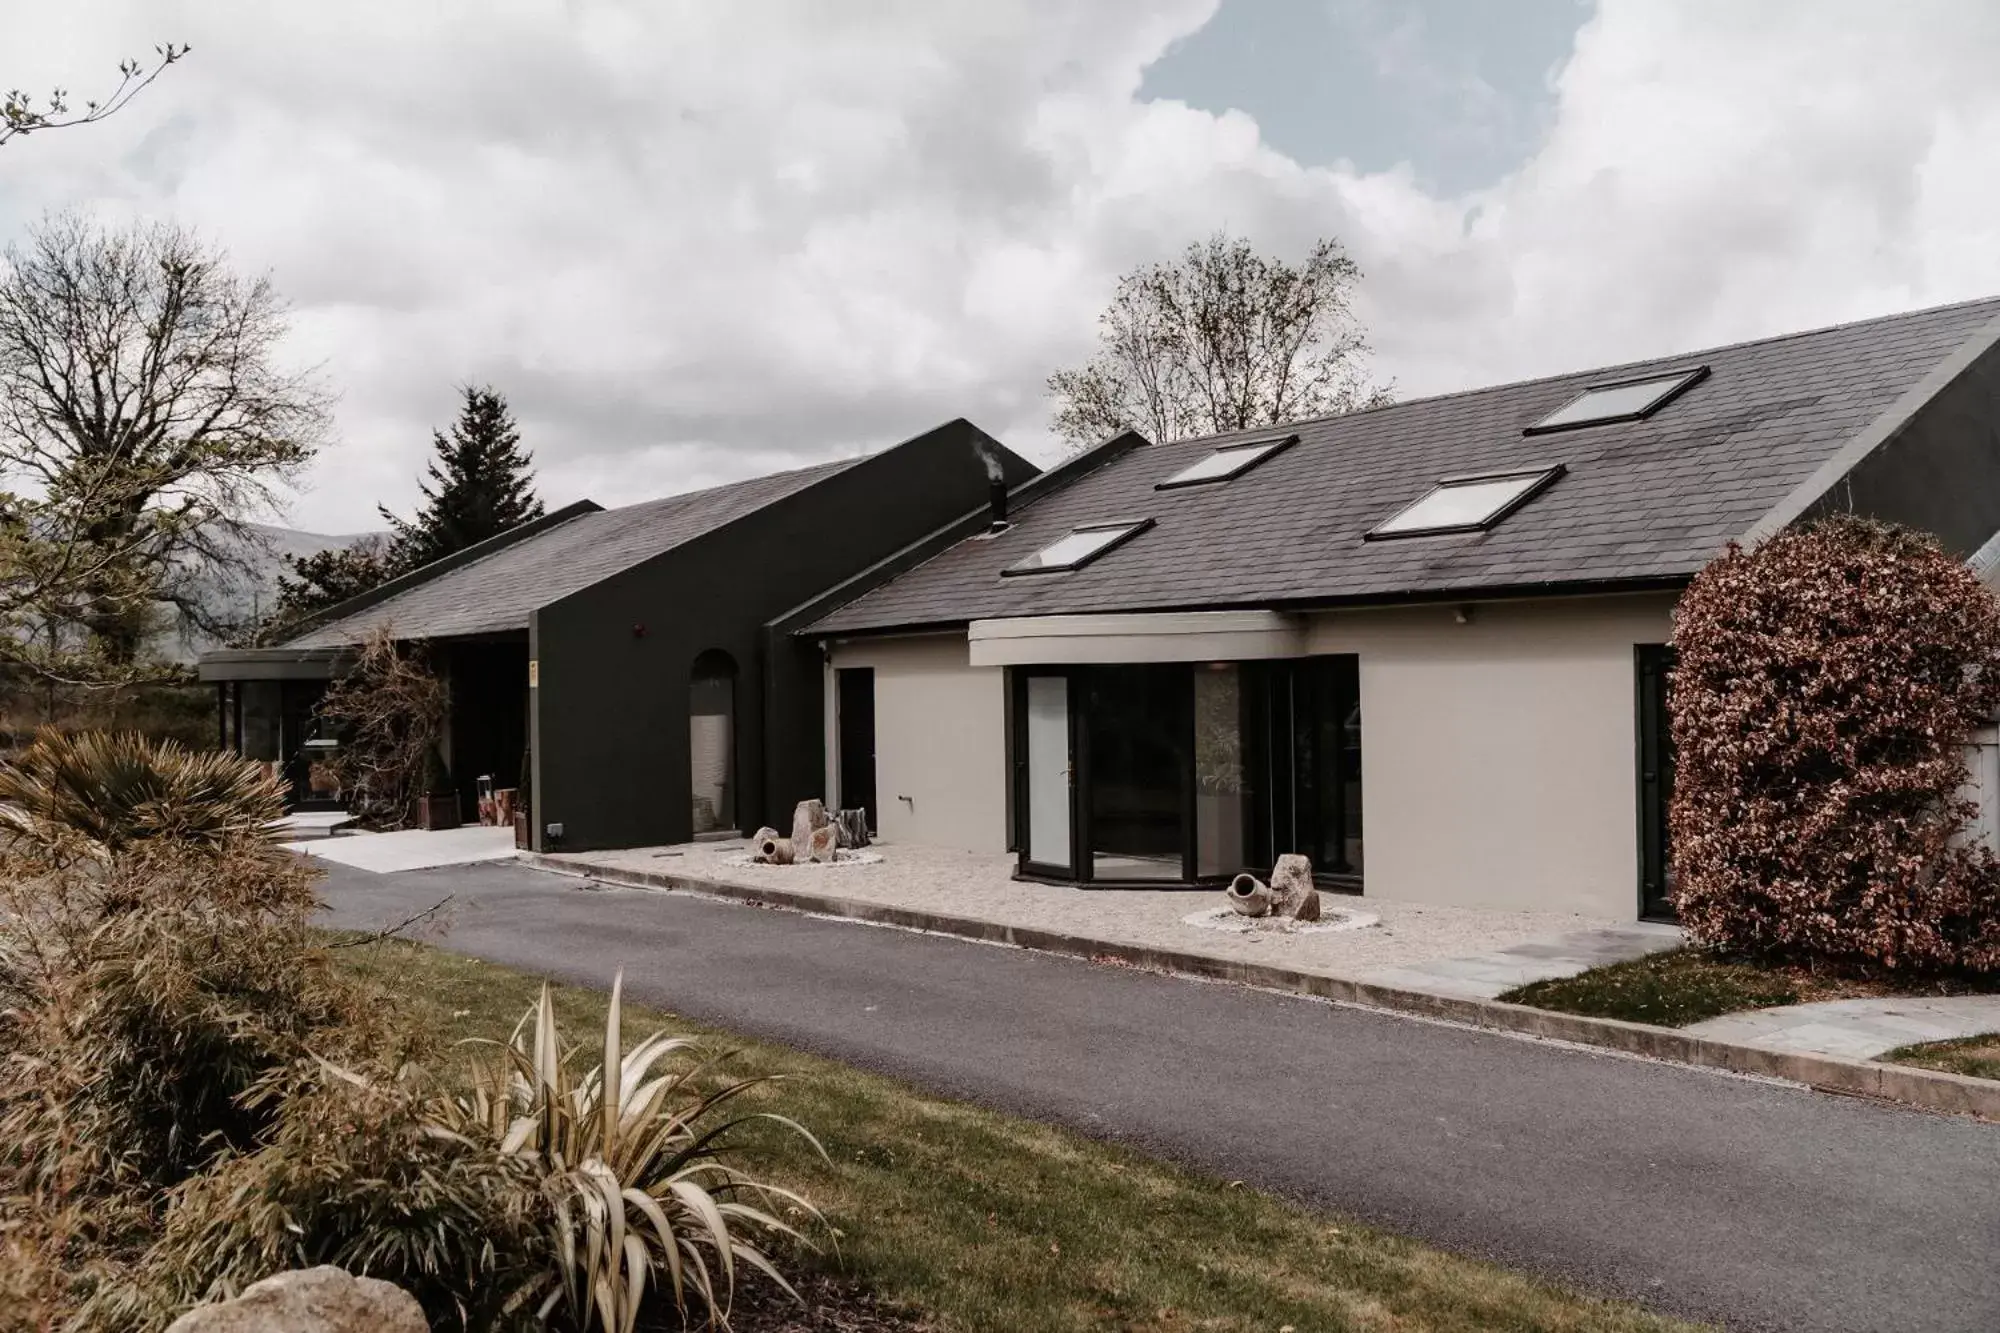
(696, 241)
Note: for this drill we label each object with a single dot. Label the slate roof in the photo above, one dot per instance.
(497, 591)
(1645, 501)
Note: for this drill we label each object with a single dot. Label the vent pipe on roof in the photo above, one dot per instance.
(996, 488)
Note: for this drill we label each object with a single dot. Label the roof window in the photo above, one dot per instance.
(1078, 547)
(1226, 461)
(1620, 400)
(1467, 504)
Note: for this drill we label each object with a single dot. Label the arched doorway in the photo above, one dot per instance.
(712, 741)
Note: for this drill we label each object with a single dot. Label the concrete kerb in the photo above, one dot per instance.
(1929, 1089)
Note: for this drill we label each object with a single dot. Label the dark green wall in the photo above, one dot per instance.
(610, 712)
(1941, 471)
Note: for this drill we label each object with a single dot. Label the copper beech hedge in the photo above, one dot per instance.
(1825, 685)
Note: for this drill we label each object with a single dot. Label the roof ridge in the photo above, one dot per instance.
(1691, 354)
(832, 464)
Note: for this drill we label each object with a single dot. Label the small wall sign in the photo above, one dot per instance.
(534, 673)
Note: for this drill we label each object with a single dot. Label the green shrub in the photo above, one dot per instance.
(115, 789)
(539, 1195)
(157, 1003)
(1825, 685)
(636, 1161)
(353, 1176)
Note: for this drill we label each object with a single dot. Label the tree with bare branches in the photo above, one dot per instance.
(19, 115)
(389, 711)
(1221, 339)
(144, 417)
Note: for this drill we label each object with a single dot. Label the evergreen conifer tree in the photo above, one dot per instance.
(481, 484)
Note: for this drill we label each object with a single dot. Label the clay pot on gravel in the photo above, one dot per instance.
(772, 850)
(1249, 895)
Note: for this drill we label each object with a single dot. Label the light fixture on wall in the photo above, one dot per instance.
(1462, 614)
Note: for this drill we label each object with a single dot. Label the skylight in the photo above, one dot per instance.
(1078, 547)
(1466, 504)
(1623, 400)
(1225, 462)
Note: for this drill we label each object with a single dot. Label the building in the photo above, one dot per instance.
(1424, 644)
(623, 653)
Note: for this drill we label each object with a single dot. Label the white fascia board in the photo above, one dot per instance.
(1189, 636)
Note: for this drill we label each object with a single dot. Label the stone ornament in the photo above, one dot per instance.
(310, 1300)
(1290, 894)
(817, 836)
(770, 849)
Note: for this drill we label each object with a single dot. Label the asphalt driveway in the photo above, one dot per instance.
(1755, 1205)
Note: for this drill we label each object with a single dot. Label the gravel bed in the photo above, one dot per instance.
(981, 886)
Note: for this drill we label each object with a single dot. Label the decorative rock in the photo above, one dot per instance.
(1292, 890)
(853, 826)
(809, 815)
(310, 1300)
(1249, 895)
(823, 845)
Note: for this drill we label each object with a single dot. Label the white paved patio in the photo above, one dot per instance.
(1461, 951)
(411, 849)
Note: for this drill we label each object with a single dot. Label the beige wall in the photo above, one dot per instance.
(1498, 755)
(1499, 765)
(940, 742)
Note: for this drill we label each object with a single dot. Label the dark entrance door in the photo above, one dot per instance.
(855, 702)
(1656, 783)
(1326, 753)
(1137, 772)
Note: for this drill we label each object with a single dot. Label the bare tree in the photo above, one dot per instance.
(390, 711)
(143, 419)
(1222, 339)
(19, 115)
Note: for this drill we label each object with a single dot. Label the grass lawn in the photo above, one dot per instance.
(1977, 1057)
(1685, 986)
(974, 1220)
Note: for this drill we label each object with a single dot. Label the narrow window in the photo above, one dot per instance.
(712, 741)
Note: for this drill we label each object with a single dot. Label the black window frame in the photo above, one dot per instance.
(1132, 528)
(1272, 447)
(1678, 382)
(1544, 477)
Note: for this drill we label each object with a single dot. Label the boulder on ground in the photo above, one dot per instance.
(310, 1300)
(823, 844)
(1292, 891)
(809, 815)
(853, 826)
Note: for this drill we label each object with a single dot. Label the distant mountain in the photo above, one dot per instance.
(250, 596)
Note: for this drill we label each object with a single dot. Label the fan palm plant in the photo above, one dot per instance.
(118, 788)
(635, 1156)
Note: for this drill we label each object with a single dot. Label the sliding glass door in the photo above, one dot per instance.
(1175, 773)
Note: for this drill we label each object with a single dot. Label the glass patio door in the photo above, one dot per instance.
(1048, 775)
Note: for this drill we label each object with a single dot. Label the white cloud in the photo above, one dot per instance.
(697, 241)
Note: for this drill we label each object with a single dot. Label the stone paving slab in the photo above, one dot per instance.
(1856, 1029)
(1489, 975)
(412, 849)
